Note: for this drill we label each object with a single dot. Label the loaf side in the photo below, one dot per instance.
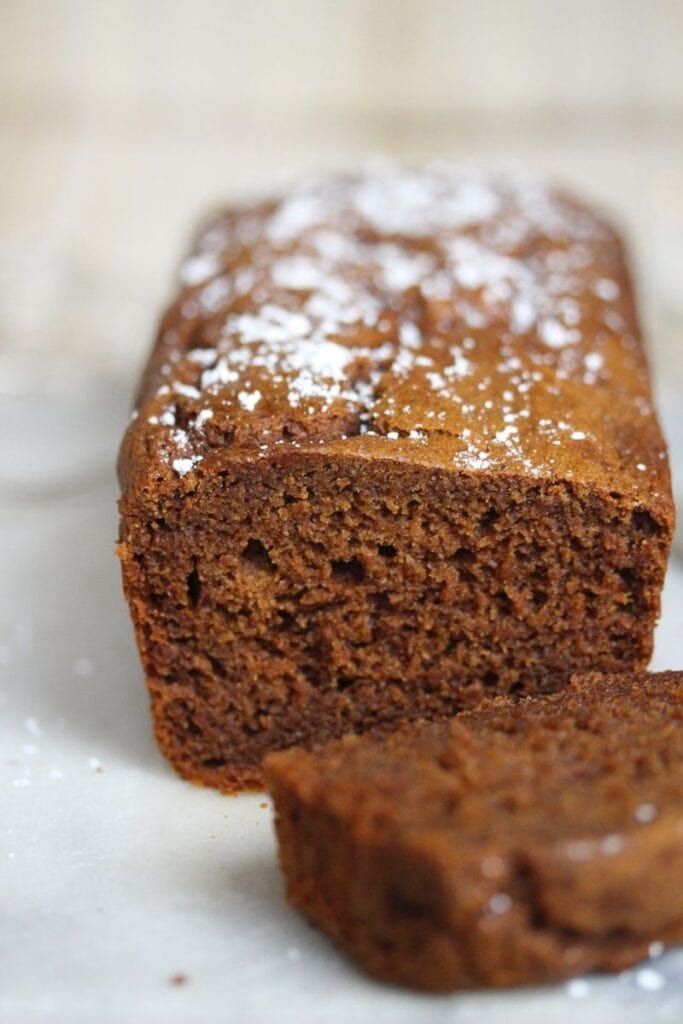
(394, 450)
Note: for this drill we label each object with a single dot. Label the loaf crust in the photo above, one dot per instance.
(523, 842)
(394, 450)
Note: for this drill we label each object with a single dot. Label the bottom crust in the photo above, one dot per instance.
(394, 929)
(437, 965)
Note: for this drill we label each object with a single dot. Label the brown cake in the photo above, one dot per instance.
(522, 842)
(394, 450)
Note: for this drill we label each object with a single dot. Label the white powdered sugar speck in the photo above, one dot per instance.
(249, 399)
(555, 335)
(184, 466)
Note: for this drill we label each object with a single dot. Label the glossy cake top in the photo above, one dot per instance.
(479, 323)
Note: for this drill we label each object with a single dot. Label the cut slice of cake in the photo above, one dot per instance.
(521, 842)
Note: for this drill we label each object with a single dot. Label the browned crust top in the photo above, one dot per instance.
(480, 324)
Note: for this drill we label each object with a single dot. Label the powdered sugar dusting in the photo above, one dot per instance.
(249, 399)
(198, 268)
(650, 980)
(184, 466)
(556, 335)
(419, 302)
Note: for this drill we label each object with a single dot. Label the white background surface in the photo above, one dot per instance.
(120, 122)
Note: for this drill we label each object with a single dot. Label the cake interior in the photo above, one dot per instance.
(603, 758)
(296, 597)
(526, 841)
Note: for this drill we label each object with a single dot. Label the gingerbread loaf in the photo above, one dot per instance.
(394, 451)
(525, 841)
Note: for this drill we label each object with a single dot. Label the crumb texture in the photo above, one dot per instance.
(394, 450)
(520, 842)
